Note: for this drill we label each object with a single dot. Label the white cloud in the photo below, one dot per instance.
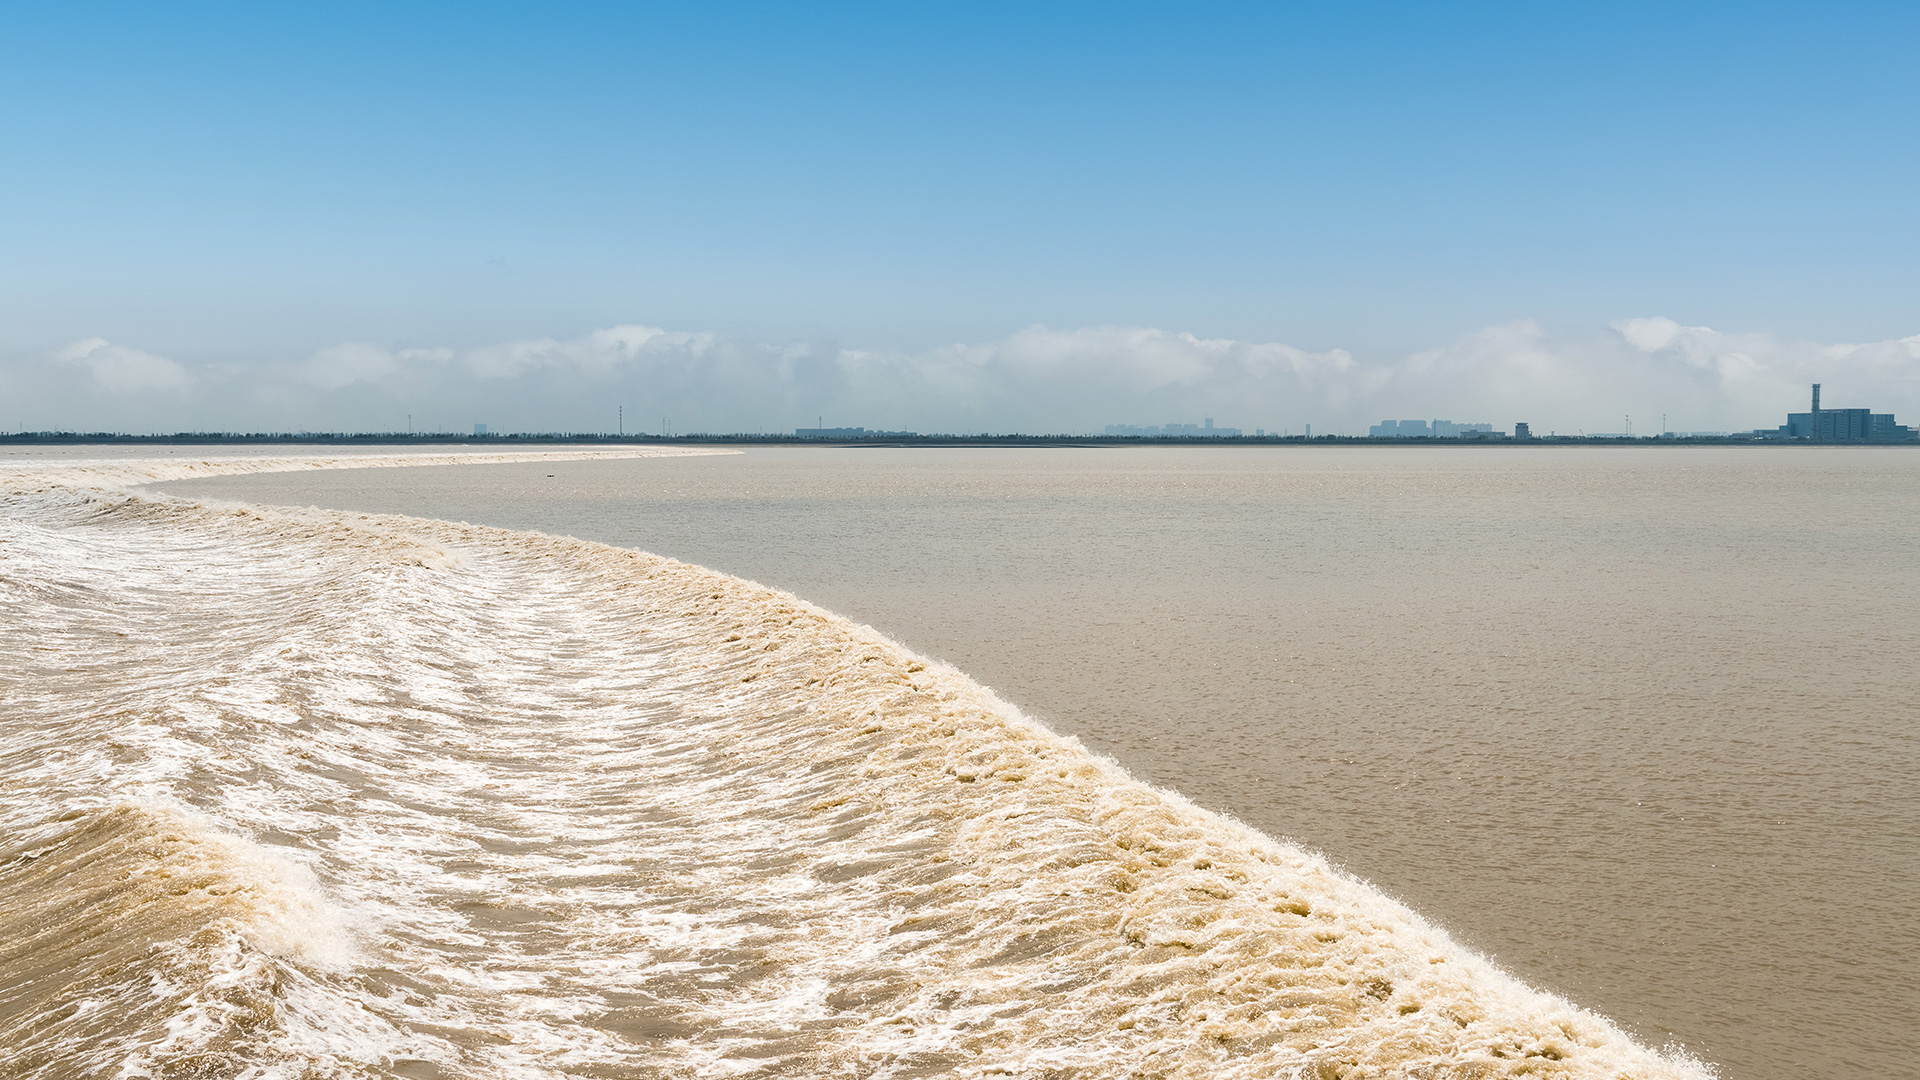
(1651, 335)
(1141, 359)
(124, 371)
(353, 362)
(1038, 380)
(601, 352)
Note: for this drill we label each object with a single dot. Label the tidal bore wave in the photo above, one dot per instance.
(312, 794)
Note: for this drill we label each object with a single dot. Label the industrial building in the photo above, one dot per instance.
(1840, 426)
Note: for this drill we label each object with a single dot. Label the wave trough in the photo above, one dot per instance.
(314, 794)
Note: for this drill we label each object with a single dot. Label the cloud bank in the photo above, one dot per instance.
(1038, 380)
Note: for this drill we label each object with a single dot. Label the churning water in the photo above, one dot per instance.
(317, 793)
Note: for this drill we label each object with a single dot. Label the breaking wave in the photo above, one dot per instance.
(312, 794)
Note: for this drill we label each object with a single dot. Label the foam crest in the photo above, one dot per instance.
(143, 918)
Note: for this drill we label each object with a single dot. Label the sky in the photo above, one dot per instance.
(1020, 217)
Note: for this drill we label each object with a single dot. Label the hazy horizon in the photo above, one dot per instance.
(1653, 371)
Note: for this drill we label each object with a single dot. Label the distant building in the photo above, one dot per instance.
(1204, 430)
(1417, 429)
(1522, 431)
(848, 433)
(1400, 429)
(1840, 426)
(479, 429)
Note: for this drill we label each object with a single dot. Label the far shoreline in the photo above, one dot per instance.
(63, 438)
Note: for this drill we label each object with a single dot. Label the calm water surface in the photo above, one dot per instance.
(1639, 724)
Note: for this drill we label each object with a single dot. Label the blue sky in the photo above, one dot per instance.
(236, 189)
